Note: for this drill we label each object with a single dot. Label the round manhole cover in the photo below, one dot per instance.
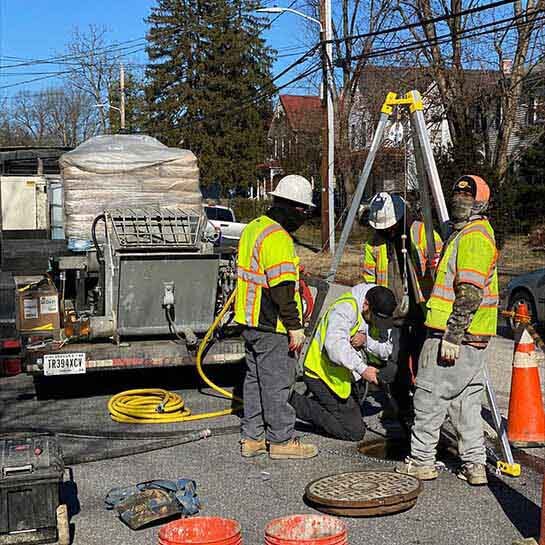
(363, 493)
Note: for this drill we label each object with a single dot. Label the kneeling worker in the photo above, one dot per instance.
(354, 328)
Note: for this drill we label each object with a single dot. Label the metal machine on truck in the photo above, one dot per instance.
(142, 279)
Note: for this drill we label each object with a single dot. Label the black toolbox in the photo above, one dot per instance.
(31, 471)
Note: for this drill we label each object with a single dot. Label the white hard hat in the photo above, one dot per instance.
(385, 210)
(294, 188)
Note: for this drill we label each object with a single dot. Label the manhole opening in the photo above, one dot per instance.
(396, 449)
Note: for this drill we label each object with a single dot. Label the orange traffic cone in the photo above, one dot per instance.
(526, 422)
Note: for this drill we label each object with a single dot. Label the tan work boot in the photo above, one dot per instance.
(474, 474)
(250, 447)
(420, 471)
(292, 450)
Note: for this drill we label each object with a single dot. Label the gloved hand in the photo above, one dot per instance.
(449, 351)
(296, 339)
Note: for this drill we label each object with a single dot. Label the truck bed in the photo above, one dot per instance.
(105, 356)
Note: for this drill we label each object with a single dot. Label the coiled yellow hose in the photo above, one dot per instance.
(158, 406)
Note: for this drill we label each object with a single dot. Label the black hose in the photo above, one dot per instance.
(75, 459)
(101, 217)
(120, 436)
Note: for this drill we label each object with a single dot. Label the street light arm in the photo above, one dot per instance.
(276, 9)
(106, 106)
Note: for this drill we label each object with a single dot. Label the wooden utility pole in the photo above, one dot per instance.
(122, 92)
(324, 168)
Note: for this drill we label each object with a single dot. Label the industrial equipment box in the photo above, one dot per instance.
(31, 471)
(37, 305)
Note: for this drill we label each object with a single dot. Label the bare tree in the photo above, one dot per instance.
(465, 54)
(94, 67)
(59, 116)
(351, 57)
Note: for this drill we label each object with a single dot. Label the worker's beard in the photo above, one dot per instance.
(460, 210)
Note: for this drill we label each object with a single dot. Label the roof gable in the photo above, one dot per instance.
(303, 112)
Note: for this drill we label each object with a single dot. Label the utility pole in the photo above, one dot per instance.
(328, 131)
(324, 169)
(122, 92)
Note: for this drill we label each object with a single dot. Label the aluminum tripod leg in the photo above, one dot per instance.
(429, 161)
(358, 194)
(507, 465)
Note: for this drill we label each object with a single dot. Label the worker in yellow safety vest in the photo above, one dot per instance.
(268, 305)
(461, 319)
(396, 257)
(352, 336)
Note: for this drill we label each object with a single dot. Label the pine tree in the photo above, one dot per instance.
(208, 65)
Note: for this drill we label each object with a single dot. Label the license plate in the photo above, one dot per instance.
(64, 364)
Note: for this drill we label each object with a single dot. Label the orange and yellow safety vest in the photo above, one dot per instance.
(375, 261)
(470, 257)
(266, 257)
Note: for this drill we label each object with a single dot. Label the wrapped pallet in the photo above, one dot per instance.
(125, 171)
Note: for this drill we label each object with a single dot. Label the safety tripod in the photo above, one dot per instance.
(428, 178)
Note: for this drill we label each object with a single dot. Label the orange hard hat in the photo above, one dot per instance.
(475, 186)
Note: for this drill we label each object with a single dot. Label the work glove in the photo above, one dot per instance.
(449, 351)
(296, 339)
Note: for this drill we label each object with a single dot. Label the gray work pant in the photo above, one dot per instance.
(456, 390)
(270, 374)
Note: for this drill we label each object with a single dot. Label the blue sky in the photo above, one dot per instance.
(37, 29)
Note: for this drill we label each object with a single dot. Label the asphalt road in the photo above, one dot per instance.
(255, 491)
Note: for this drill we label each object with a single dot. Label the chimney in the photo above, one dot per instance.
(507, 66)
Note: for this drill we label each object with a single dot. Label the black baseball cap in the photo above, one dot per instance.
(382, 303)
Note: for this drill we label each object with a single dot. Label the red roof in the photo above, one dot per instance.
(304, 112)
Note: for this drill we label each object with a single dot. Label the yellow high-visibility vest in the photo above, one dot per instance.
(375, 261)
(337, 377)
(266, 257)
(470, 258)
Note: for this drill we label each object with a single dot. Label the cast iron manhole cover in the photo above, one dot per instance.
(363, 493)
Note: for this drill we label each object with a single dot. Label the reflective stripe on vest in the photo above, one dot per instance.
(375, 267)
(337, 377)
(440, 304)
(251, 275)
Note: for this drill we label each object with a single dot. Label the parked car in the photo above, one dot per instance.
(223, 218)
(530, 289)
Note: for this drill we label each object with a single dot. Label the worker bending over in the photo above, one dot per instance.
(355, 329)
(408, 275)
(461, 320)
(269, 306)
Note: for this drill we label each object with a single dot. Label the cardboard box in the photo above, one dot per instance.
(37, 305)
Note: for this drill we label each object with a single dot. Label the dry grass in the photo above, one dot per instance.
(516, 257)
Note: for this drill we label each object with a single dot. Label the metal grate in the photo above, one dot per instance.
(363, 489)
(157, 227)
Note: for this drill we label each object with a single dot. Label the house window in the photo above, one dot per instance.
(275, 148)
(283, 152)
(536, 111)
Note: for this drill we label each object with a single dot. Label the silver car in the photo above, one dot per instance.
(530, 289)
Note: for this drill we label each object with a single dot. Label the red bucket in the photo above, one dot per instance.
(201, 531)
(306, 530)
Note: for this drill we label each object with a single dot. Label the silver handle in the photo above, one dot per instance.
(18, 469)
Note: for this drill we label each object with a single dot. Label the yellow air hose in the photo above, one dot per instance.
(158, 406)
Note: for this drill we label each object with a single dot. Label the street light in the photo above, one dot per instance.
(328, 192)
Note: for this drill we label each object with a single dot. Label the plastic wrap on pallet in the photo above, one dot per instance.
(125, 171)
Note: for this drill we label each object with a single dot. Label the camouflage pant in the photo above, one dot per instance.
(457, 391)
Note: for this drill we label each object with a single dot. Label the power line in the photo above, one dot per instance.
(424, 22)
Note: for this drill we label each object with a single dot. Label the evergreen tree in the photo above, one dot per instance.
(208, 65)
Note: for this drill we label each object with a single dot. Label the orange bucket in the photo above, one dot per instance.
(306, 530)
(201, 531)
